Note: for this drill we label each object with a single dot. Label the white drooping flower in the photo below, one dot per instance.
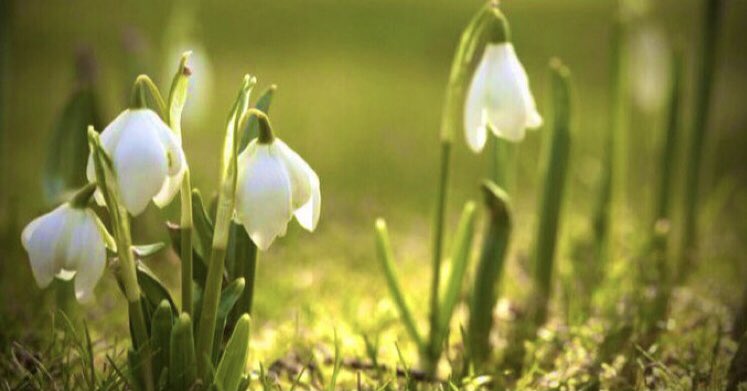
(147, 156)
(274, 184)
(649, 65)
(499, 98)
(65, 243)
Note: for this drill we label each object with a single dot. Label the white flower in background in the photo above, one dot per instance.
(499, 98)
(274, 184)
(649, 66)
(65, 243)
(147, 156)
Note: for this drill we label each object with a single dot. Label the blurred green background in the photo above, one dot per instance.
(360, 91)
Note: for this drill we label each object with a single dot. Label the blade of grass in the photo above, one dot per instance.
(386, 257)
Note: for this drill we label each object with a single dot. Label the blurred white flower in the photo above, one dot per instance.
(148, 159)
(274, 183)
(649, 64)
(499, 98)
(65, 243)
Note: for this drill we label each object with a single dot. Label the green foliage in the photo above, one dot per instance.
(160, 336)
(68, 152)
(230, 369)
(488, 274)
(554, 173)
(460, 256)
(228, 299)
(386, 257)
(183, 366)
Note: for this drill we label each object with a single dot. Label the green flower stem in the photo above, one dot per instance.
(503, 163)
(670, 141)
(186, 242)
(441, 196)
(555, 170)
(488, 274)
(706, 68)
(106, 179)
(226, 200)
(619, 126)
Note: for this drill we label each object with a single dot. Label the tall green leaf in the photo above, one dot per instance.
(231, 367)
(183, 367)
(555, 165)
(460, 255)
(160, 336)
(488, 274)
(228, 299)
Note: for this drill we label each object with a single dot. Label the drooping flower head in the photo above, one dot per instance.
(498, 97)
(274, 184)
(147, 157)
(68, 242)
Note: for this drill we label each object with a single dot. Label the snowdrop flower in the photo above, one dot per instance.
(649, 64)
(499, 97)
(65, 243)
(147, 157)
(274, 184)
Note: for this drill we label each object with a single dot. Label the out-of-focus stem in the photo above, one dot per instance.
(694, 157)
(186, 243)
(438, 232)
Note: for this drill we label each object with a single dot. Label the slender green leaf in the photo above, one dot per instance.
(199, 270)
(203, 226)
(554, 172)
(488, 273)
(460, 256)
(183, 367)
(228, 299)
(178, 94)
(146, 250)
(152, 288)
(231, 367)
(160, 336)
(386, 257)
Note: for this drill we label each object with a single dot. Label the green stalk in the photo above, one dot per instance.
(603, 215)
(105, 178)
(706, 68)
(438, 233)
(224, 214)
(663, 197)
(176, 102)
(503, 163)
(186, 243)
(488, 273)
(555, 170)
(620, 131)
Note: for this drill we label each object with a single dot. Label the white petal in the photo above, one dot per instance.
(41, 239)
(506, 100)
(177, 167)
(140, 161)
(474, 109)
(534, 119)
(171, 144)
(263, 195)
(308, 214)
(91, 261)
(297, 172)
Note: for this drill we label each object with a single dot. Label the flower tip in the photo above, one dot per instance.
(380, 224)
